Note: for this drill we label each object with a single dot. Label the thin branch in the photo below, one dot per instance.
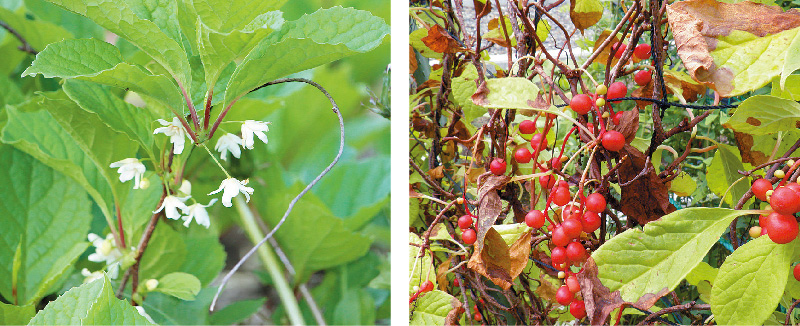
(25, 47)
(789, 313)
(294, 201)
(134, 270)
(688, 306)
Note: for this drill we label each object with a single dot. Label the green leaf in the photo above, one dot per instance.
(236, 312)
(120, 19)
(205, 263)
(319, 38)
(790, 90)
(750, 282)
(180, 285)
(702, 272)
(72, 58)
(228, 15)
(637, 262)
(89, 304)
(37, 33)
(420, 268)
(169, 310)
(113, 111)
(764, 114)
(31, 129)
(357, 307)
(510, 93)
(165, 253)
(432, 308)
(354, 185)
(792, 59)
(41, 206)
(16, 315)
(462, 89)
(683, 185)
(163, 13)
(724, 171)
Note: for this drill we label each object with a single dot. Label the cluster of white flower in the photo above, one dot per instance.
(230, 142)
(196, 211)
(106, 251)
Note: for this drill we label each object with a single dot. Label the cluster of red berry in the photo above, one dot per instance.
(779, 222)
(641, 52)
(582, 104)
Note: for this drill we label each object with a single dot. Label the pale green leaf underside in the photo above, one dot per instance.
(750, 282)
(724, 171)
(180, 285)
(89, 304)
(510, 93)
(228, 15)
(120, 19)
(637, 262)
(322, 37)
(16, 315)
(432, 308)
(38, 206)
(764, 114)
(792, 60)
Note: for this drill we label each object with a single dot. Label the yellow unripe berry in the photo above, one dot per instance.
(790, 162)
(600, 102)
(460, 200)
(562, 275)
(606, 115)
(602, 90)
(755, 232)
(779, 174)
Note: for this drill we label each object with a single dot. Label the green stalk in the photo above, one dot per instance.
(270, 262)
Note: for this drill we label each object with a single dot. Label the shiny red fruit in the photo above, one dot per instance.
(616, 117)
(572, 283)
(527, 127)
(622, 48)
(558, 255)
(796, 272)
(469, 236)
(613, 140)
(596, 203)
(465, 222)
(642, 51)
(590, 222)
(643, 77)
(426, 286)
(563, 296)
(547, 181)
(534, 219)
(522, 155)
(498, 166)
(760, 188)
(575, 252)
(538, 141)
(572, 228)
(560, 239)
(560, 196)
(781, 228)
(555, 163)
(617, 90)
(794, 186)
(578, 309)
(581, 104)
(785, 201)
(571, 211)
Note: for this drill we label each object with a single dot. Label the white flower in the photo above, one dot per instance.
(170, 206)
(198, 212)
(151, 284)
(144, 314)
(106, 251)
(232, 188)
(174, 130)
(251, 127)
(186, 188)
(91, 276)
(228, 143)
(130, 168)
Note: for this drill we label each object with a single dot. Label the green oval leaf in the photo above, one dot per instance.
(764, 114)
(180, 285)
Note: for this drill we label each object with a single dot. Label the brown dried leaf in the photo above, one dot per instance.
(644, 91)
(697, 26)
(519, 253)
(437, 172)
(546, 290)
(602, 58)
(646, 199)
(745, 143)
(422, 125)
(489, 205)
(493, 260)
(441, 273)
(479, 98)
(454, 315)
(482, 8)
(440, 41)
(412, 64)
(690, 89)
(587, 14)
(628, 124)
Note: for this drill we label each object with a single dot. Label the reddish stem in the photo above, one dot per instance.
(207, 113)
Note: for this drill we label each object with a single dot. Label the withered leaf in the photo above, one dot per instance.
(546, 289)
(602, 57)
(412, 64)
(437, 172)
(440, 41)
(482, 8)
(479, 98)
(646, 199)
(745, 143)
(645, 91)
(585, 16)
(455, 313)
(489, 205)
(493, 260)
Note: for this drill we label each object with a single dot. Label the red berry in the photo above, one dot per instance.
(578, 309)
(547, 181)
(781, 228)
(560, 196)
(469, 236)
(581, 104)
(572, 284)
(560, 239)
(572, 228)
(760, 188)
(617, 90)
(426, 286)
(498, 166)
(571, 211)
(563, 296)
(596, 203)
(575, 251)
(590, 221)
(796, 272)
(527, 127)
(555, 163)
(477, 317)
(534, 219)
(522, 155)
(558, 255)
(794, 186)
(590, 126)
(785, 201)
(613, 140)
(622, 48)
(538, 141)
(465, 222)
(642, 77)
(642, 51)
(563, 184)
(616, 117)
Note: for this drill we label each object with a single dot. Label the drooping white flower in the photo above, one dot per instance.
(174, 130)
(232, 187)
(251, 127)
(228, 143)
(106, 251)
(170, 206)
(90, 276)
(186, 187)
(198, 212)
(130, 168)
(144, 314)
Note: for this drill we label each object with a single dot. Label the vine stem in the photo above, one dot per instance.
(270, 262)
(134, 270)
(277, 226)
